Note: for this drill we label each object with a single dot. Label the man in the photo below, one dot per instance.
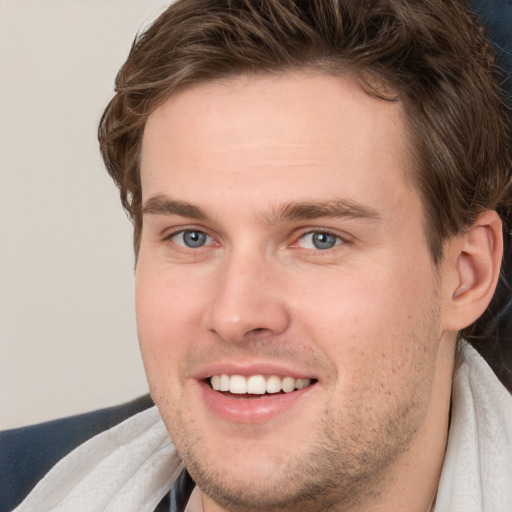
(319, 192)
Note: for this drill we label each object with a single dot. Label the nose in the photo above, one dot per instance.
(248, 301)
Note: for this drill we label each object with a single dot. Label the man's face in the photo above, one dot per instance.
(283, 245)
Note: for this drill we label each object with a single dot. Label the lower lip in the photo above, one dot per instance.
(250, 410)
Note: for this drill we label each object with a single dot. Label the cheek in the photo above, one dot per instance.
(168, 317)
(344, 305)
(367, 321)
(167, 299)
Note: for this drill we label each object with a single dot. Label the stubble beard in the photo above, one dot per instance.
(338, 472)
(348, 464)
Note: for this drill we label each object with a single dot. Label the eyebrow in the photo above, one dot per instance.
(315, 210)
(164, 205)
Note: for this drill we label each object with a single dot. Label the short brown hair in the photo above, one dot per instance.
(431, 55)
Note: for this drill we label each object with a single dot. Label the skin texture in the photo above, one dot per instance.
(370, 319)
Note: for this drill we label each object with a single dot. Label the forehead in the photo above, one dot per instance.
(284, 137)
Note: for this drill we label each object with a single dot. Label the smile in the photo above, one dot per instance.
(256, 384)
(254, 398)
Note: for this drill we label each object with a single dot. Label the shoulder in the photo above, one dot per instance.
(28, 453)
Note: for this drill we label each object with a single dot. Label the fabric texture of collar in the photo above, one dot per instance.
(128, 468)
(477, 469)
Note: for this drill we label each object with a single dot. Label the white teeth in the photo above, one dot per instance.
(215, 382)
(238, 384)
(224, 383)
(273, 384)
(256, 384)
(288, 384)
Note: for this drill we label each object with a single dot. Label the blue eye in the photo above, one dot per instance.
(191, 238)
(319, 240)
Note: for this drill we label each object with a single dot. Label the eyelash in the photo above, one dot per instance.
(182, 232)
(338, 239)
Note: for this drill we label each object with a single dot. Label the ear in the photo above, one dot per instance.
(474, 259)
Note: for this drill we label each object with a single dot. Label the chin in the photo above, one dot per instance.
(254, 475)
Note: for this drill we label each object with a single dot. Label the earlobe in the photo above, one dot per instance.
(477, 263)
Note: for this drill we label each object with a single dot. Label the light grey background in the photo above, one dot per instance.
(68, 339)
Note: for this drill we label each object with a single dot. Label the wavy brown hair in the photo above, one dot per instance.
(430, 55)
